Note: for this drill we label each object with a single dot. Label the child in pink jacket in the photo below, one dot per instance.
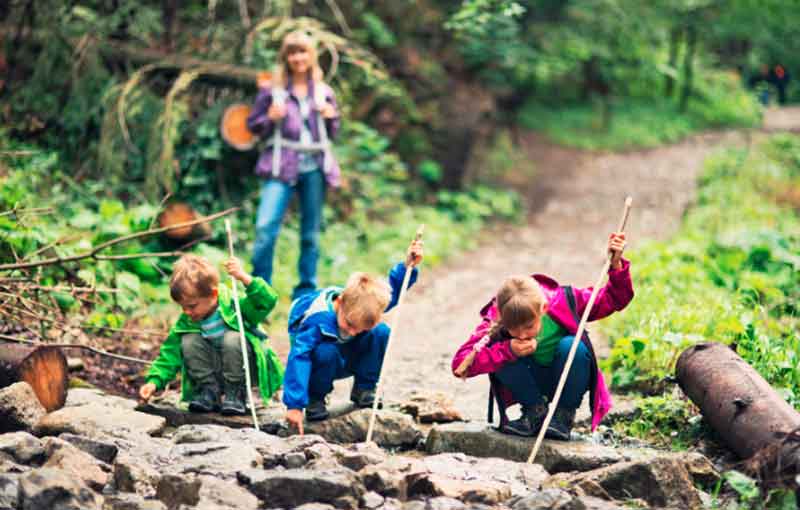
(523, 340)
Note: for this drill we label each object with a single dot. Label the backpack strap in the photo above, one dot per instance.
(573, 307)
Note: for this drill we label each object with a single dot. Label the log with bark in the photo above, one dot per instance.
(44, 368)
(743, 409)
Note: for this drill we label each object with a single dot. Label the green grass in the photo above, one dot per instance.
(729, 275)
(642, 123)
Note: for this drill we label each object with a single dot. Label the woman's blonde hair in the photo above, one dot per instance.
(520, 301)
(298, 39)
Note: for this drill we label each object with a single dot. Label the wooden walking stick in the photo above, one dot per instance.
(243, 340)
(576, 340)
(395, 320)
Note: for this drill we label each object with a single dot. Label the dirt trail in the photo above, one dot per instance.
(575, 199)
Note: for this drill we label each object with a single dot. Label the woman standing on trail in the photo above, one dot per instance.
(296, 112)
(523, 340)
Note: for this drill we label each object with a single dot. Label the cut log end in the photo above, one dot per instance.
(179, 212)
(43, 368)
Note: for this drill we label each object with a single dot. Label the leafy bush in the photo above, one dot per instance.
(730, 275)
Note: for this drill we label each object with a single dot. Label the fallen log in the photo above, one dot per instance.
(741, 407)
(44, 368)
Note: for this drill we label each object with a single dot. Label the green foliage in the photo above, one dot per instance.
(748, 496)
(644, 123)
(730, 275)
(663, 420)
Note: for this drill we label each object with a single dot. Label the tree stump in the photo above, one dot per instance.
(180, 212)
(44, 368)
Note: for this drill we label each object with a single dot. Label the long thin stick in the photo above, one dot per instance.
(576, 340)
(242, 339)
(75, 346)
(393, 328)
(95, 250)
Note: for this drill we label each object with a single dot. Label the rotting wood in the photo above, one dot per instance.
(44, 368)
(749, 415)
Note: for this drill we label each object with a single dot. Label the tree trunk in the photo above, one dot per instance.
(688, 66)
(738, 403)
(43, 368)
(169, 11)
(674, 43)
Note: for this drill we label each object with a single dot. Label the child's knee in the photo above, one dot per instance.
(325, 353)
(191, 341)
(231, 342)
(381, 333)
(581, 353)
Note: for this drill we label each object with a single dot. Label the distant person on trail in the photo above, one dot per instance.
(337, 333)
(204, 344)
(780, 78)
(296, 112)
(523, 340)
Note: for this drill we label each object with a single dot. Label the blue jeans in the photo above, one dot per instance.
(530, 382)
(275, 196)
(362, 357)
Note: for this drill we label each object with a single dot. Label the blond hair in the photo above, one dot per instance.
(520, 301)
(293, 41)
(192, 276)
(364, 299)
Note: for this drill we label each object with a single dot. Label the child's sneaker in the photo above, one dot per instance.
(363, 397)
(561, 425)
(527, 425)
(233, 402)
(206, 400)
(316, 410)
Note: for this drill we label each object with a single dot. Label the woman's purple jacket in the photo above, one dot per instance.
(259, 123)
(614, 296)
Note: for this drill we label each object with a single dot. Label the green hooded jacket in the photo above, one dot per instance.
(259, 300)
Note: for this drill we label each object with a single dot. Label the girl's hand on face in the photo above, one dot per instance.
(616, 245)
(522, 348)
(276, 112)
(327, 111)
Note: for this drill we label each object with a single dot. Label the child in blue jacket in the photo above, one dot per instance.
(337, 332)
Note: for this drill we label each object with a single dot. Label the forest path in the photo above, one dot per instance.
(575, 199)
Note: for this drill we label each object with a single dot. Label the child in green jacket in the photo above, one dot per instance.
(205, 345)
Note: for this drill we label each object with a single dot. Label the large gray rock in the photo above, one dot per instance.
(174, 490)
(177, 414)
(431, 407)
(128, 501)
(22, 447)
(55, 490)
(475, 480)
(392, 429)
(216, 494)
(104, 451)
(20, 409)
(662, 481)
(134, 474)
(9, 491)
(480, 440)
(76, 463)
(293, 487)
(558, 499)
(389, 477)
(83, 396)
(94, 419)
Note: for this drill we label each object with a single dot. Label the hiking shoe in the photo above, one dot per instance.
(363, 397)
(561, 425)
(316, 410)
(528, 424)
(233, 402)
(206, 400)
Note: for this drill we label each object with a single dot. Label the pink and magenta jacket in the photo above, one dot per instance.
(614, 296)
